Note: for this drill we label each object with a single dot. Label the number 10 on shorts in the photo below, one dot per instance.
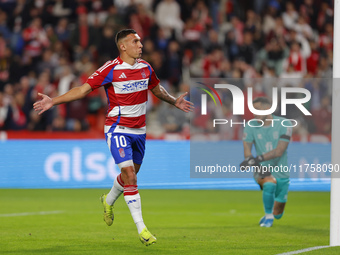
(120, 141)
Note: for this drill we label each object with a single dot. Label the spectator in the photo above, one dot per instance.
(158, 64)
(84, 38)
(186, 9)
(19, 119)
(17, 41)
(231, 45)
(303, 28)
(35, 40)
(290, 16)
(48, 62)
(313, 60)
(325, 16)
(323, 116)
(162, 40)
(318, 91)
(26, 88)
(98, 15)
(279, 31)
(148, 49)
(174, 63)
(61, 9)
(308, 10)
(272, 56)
(212, 63)
(4, 30)
(269, 22)
(168, 17)
(247, 49)
(5, 113)
(290, 78)
(324, 69)
(66, 79)
(192, 34)
(114, 19)
(296, 59)
(200, 13)
(106, 50)
(62, 31)
(253, 22)
(211, 41)
(76, 112)
(238, 27)
(326, 38)
(145, 20)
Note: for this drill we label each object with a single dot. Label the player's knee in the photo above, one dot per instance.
(278, 216)
(129, 176)
(262, 181)
(269, 187)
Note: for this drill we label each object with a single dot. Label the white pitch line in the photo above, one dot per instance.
(304, 250)
(29, 213)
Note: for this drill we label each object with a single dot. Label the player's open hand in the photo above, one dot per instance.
(44, 104)
(183, 104)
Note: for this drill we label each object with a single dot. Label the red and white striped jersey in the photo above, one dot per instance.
(126, 88)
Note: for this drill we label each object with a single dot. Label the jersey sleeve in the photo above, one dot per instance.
(153, 81)
(248, 134)
(102, 76)
(286, 132)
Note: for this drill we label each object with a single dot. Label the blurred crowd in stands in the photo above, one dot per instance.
(50, 46)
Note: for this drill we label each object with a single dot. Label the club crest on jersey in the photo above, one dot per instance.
(259, 136)
(121, 153)
(143, 73)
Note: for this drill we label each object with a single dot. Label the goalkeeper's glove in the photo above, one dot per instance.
(251, 161)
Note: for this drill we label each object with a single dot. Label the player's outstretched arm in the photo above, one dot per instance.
(74, 94)
(183, 104)
(180, 102)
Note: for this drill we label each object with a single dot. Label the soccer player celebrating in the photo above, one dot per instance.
(271, 140)
(126, 81)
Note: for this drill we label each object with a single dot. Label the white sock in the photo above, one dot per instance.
(116, 191)
(132, 199)
(269, 216)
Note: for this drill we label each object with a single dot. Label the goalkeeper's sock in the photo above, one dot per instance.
(116, 191)
(132, 199)
(268, 198)
(278, 216)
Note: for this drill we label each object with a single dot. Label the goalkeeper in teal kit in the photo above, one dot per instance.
(271, 137)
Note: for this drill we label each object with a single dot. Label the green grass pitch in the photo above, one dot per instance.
(184, 222)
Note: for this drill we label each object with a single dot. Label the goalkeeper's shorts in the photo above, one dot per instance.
(281, 193)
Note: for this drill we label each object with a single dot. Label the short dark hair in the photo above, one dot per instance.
(124, 33)
(262, 100)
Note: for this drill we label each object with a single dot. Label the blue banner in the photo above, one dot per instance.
(88, 164)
